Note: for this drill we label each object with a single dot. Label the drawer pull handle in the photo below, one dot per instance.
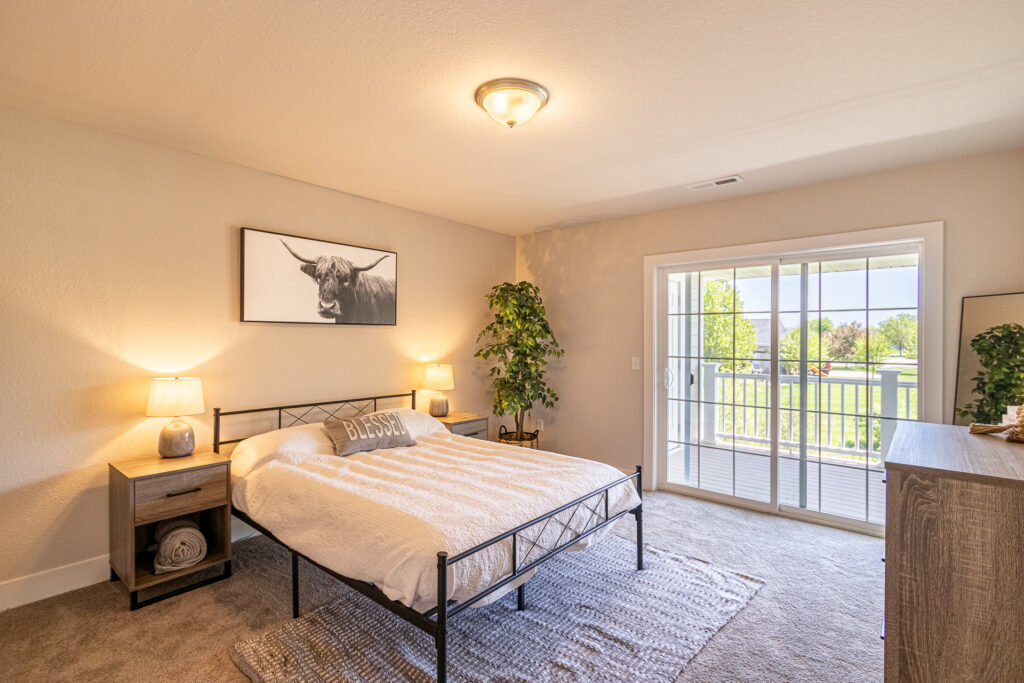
(182, 493)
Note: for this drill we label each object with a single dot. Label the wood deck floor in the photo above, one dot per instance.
(857, 493)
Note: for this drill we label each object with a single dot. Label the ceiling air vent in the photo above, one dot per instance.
(717, 182)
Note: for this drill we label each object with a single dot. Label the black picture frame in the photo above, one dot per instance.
(977, 321)
(287, 278)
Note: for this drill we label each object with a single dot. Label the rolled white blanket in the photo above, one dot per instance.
(180, 544)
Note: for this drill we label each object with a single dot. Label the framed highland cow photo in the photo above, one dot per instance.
(291, 279)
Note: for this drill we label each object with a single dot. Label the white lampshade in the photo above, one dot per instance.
(439, 378)
(175, 396)
(511, 101)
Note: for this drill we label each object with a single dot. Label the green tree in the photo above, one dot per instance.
(842, 340)
(880, 348)
(520, 341)
(789, 345)
(900, 332)
(789, 351)
(718, 330)
(820, 325)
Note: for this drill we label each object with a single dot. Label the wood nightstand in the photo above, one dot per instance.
(466, 424)
(145, 491)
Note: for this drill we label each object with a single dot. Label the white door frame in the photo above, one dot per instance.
(929, 239)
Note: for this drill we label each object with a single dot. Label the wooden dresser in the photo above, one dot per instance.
(954, 565)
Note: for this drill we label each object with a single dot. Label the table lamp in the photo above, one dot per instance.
(175, 397)
(438, 378)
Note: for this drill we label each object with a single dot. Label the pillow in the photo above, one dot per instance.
(368, 433)
(417, 422)
(297, 440)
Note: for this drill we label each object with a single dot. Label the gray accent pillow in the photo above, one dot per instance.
(367, 433)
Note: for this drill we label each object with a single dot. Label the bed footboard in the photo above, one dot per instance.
(529, 552)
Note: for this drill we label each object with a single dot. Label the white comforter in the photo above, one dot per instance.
(383, 515)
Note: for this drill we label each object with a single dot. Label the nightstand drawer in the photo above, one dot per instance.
(474, 428)
(176, 493)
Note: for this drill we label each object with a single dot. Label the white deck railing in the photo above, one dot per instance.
(845, 415)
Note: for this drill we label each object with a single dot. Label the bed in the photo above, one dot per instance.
(426, 530)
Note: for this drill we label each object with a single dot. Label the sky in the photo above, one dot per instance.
(844, 294)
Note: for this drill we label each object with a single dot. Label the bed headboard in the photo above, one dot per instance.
(301, 413)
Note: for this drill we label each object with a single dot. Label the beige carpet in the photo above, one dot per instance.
(817, 618)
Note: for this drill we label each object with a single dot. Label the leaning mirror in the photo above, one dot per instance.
(994, 325)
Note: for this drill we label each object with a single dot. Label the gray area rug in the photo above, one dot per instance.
(590, 616)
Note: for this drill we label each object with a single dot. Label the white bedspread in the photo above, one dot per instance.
(383, 515)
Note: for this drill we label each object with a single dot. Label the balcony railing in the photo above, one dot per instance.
(848, 418)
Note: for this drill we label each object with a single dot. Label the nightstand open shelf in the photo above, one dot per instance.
(144, 577)
(211, 523)
(147, 491)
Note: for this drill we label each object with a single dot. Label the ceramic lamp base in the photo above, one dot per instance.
(438, 405)
(177, 440)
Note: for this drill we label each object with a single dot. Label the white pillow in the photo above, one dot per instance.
(299, 440)
(418, 423)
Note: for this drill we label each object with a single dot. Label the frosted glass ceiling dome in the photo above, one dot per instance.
(511, 101)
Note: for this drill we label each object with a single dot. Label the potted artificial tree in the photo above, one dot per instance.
(1000, 382)
(520, 341)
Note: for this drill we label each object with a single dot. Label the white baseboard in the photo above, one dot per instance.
(46, 584)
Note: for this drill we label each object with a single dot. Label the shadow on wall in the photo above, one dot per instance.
(62, 388)
(96, 390)
(477, 370)
(588, 278)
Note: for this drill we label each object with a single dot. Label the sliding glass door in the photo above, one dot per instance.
(848, 330)
(783, 379)
(717, 398)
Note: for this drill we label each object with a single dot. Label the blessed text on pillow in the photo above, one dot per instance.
(367, 433)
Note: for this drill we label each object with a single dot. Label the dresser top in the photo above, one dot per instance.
(953, 449)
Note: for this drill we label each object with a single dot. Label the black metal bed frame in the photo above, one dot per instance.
(593, 506)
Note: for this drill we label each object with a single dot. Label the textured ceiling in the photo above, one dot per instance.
(376, 98)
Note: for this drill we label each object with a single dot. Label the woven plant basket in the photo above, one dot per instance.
(530, 439)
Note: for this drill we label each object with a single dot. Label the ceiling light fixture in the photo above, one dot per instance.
(511, 101)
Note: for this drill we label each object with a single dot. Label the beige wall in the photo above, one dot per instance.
(120, 263)
(591, 276)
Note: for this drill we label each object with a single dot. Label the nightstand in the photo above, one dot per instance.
(466, 424)
(145, 491)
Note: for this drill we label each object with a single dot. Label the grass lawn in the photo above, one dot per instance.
(909, 373)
